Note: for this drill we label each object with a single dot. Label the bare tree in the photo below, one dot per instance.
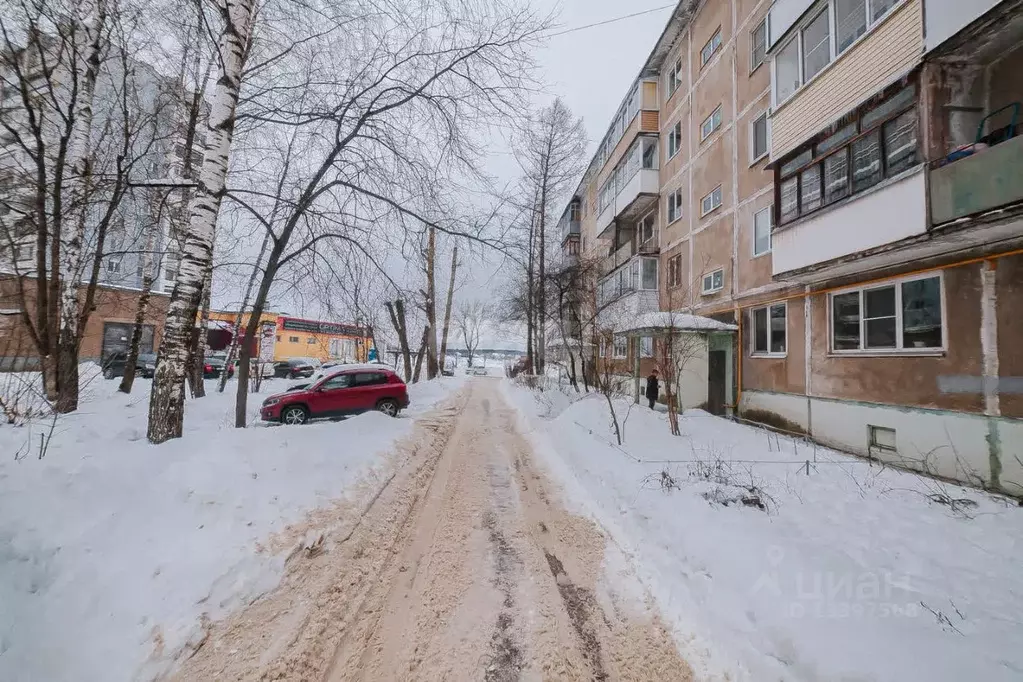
(552, 156)
(447, 309)
(470, 319)
(166, 405)
(608, 382)
(78, 112)
(425, 69)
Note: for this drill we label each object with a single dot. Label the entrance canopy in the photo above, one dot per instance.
(665, 322)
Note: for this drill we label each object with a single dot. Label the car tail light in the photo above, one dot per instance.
(208, 368)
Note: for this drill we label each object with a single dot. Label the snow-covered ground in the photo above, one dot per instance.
(853, 572)
(113, 551)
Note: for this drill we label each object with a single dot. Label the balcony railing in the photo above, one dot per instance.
(984, 181)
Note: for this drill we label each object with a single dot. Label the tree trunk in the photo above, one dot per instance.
(397, 314)
(202, 340)
(419, 356)
(530, 358)
(233, 348)
(447, 310)
(166, 405)
(431, 305)
(143, 304)
(92, 21)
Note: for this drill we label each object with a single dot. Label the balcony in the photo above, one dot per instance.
(631, 189)
(984, 181)
(617, 257)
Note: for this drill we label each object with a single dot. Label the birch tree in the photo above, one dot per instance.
(470, 319)
(77, 121)
(166, 404)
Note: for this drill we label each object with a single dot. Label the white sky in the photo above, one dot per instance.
(590, 70)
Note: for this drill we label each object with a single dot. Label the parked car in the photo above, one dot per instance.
(295, 368)
(214, 364)
(113, 365)
(346, 392)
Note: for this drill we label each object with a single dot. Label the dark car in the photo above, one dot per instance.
(214, 364)
(113, 365)
(349, 391)
(295, 368)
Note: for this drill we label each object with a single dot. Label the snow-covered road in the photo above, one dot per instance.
(464, 567)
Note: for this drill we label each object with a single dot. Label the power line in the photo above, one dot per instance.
(611, 21)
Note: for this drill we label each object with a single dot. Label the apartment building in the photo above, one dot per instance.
(895, 147)
(675, 207)
(141, 229)
(840, 179)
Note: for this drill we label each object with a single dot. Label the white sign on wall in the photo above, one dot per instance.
(267, 337)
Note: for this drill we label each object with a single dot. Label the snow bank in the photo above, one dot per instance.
(111, 550)
(853, 572)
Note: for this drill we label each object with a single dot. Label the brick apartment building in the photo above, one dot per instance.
(840, 180)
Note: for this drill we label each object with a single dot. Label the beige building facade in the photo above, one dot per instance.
(842, 185)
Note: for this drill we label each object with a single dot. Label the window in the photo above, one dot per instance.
(310, 341)
(648, 273)
(336, 382)
(621, 346)
(646, 228)
(880, 8)
(786, 67)
(675, 205)
(710, 48)
(714, 281)
(882, 439)
(292, 339)
(762, 232)
(675, 76)
(710, 124)
(602, 347)
(113, 264)
(758, 45)
(24, 252)
(646, 347)
(369, 379)
(880, 142)
(675, 271)
(769, 330)
(816, 46)
(850, 21)
(711, 202)
(758, 138)
(903, 315)
(675, 139)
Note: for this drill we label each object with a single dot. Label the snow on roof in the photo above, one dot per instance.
(677, 320)
(220, 324)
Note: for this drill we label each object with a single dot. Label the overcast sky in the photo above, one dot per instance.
(590, 70)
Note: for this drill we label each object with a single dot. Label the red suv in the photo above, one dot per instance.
(349, 391)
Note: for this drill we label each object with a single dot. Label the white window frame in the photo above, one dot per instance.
(899, 349)
(754, 65)
(676, 280)
(615, 348)
(769, 211)
(677, 193)
(753, 352)
(714, 194)
(20, 257)
(704, 289)
(113, 265)
(715, 122)
(646, 346)
(678, 139)
(674, 77)
(714, 44)
(653, 228)
(812, 13)
(754, 158)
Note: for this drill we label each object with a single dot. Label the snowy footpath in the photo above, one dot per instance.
(114, 554)
(769, 568)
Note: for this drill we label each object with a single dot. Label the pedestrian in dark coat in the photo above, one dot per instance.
(652, 388)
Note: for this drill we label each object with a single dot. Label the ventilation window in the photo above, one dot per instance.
(882, 440)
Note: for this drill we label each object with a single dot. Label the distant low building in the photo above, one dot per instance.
(283, 337)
